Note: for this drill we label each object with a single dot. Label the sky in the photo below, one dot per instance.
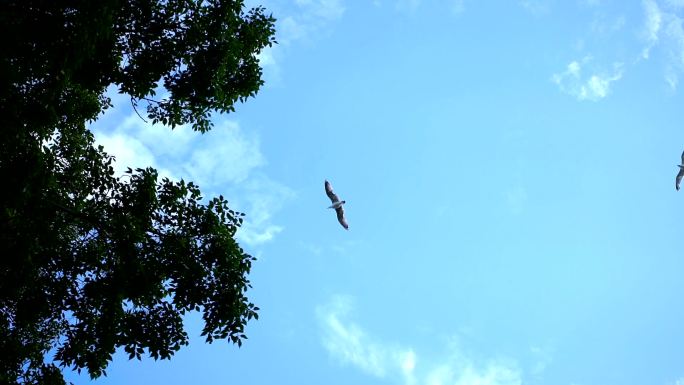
(508, 168)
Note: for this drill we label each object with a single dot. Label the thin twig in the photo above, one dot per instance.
(151, 100)
(135, 104)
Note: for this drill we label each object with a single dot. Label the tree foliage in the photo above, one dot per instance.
(89, 261)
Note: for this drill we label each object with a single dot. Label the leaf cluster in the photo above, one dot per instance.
(89, 261)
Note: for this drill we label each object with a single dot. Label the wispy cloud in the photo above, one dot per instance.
(261, 197)
(663, 28)
(350, 344)
(310, 247)
(269, 64)
(129, 152)
(297, 21)
(654, 20)
(604, 26)
(223, 155)
(223, 161)
(671, 77)
(542, 356)
(592, 87)
(661, 33)
(308, 19)
(674, 34)
(536, 7)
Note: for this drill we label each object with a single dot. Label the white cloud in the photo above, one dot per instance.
(223, 161)
(262, 198)
(675, 35)
(350, 344)
(291, 30)
(128, 151)
(574, 69)
(252, 235)
(308, 19)
(671, 78)
(223, 155)
(592, 87)
(347, 342)
(597, 86)
(269, 64)
(663, 28)
(296, 21)
(654, 19)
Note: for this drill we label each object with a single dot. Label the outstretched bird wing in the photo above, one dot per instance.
(682, 158)
(340, 217)
(678, 180)
(331, 194)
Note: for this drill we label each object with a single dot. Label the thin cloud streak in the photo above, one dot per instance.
(351, 345)
(297, 22)
(309, 19)
(663, 29)
(654, 19)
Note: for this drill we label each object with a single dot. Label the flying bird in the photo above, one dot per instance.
(336, 204)
(680, 175)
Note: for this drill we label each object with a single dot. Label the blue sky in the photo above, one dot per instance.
(509, 171)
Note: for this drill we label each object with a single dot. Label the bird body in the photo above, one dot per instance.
(680, 174)
(337, 205)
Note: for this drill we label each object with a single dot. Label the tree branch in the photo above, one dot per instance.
(135, 104)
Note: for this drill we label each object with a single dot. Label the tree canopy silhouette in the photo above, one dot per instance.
(89, 261)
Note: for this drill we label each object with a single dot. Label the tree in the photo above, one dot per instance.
(91, 262)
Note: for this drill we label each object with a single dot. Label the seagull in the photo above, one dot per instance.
(680, 175)
(336, 204)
